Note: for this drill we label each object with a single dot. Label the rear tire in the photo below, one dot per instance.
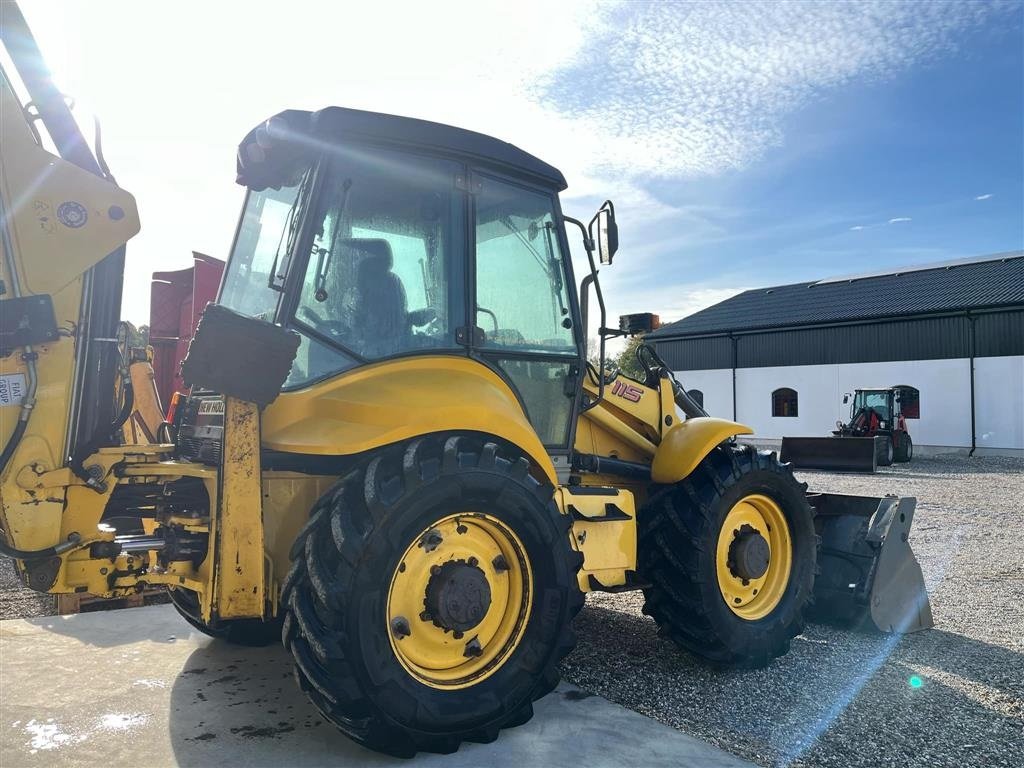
(680, 529)
(905, 450)
(249, 632)
(338, 603)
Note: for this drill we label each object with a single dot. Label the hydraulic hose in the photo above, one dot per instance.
(28, 401)
(682, 398)
(12, 443)
(74, 542)
(127, 387)
(687, 403)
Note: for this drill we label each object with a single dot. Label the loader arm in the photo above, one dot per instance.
(60, 222)
(642, 425)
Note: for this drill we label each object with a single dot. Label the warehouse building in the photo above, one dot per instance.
(780, 359)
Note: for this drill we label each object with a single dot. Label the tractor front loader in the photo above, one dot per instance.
(394, 456)
(875, 435)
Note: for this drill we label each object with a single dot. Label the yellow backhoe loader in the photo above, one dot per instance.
(394, 457)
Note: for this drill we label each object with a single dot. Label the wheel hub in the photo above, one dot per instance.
(754, 556)
(457, 596)
(749, 554)
(459, 600)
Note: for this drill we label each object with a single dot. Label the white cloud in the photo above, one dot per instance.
(857, 228)
(683, 89)
(899, 220)
(987, 196)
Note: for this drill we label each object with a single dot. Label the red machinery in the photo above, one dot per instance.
(882, 412)
(875, 436)
(177, 300)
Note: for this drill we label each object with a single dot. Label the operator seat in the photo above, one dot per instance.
(375, 303)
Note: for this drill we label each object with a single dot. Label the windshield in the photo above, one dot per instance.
(876, 401)
(262, 240)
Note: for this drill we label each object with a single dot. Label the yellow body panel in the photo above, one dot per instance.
(604, 531)
(287, 499)
(625, 425)
(397, 400)
(686, 444)
(240, 583)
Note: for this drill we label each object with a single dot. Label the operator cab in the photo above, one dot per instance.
(878, 401)
(889, 404)
(375, 237)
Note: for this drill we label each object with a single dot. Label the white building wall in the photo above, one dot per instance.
(817, 399)
(999, 401)
(945, 388)
(716, 385)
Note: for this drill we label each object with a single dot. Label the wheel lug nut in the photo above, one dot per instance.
(425, 616)
(435, 569)
(473, 649)
(473, 561)
(457, 635)
(499, 564)
(400, 627)
(431, 540)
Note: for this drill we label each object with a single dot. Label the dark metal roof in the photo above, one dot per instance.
(260, 159)
(996, 281)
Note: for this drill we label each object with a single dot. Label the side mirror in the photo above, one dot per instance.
(607, 235)
(846, 399)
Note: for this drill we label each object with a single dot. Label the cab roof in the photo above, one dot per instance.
(270, 148)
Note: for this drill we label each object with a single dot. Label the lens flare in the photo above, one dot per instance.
(915, 681)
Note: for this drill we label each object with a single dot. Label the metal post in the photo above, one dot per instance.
(735, 357)
(974, 433)
(240, 583)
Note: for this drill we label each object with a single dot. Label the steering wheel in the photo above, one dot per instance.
(335, 328)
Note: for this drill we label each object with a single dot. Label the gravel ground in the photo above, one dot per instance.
(842, 698)
(18, 602)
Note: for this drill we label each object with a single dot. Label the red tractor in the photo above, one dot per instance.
(883, 412)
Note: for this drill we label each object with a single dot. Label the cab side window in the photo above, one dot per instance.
(521, 297)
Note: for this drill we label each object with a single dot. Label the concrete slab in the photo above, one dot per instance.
(140, 687)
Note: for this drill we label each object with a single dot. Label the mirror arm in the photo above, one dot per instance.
(588, 245)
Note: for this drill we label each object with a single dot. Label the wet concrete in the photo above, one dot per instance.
(139, 686)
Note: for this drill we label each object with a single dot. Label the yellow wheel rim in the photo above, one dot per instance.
(459, 600)
(740, 557)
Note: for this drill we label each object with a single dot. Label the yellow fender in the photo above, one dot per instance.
(685, 445)
(396, 400)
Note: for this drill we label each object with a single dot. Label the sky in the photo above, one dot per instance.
(744, 145)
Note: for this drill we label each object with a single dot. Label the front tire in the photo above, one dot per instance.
(703, 544)
(889, 454)
(408, 632)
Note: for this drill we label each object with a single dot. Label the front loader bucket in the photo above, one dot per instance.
(869, 577)
(842, 454)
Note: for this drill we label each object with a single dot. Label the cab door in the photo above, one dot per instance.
(524, 314)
